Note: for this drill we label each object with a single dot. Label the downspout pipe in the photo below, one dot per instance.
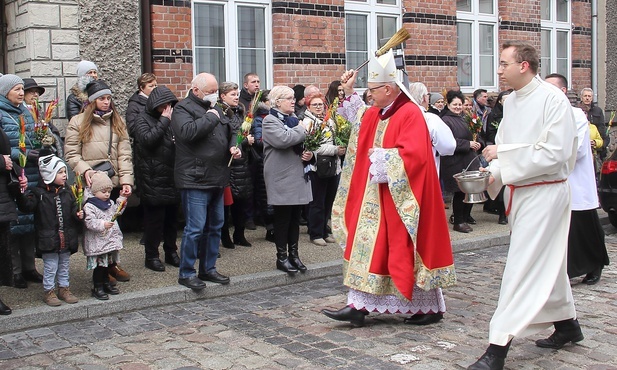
(146, 36)
(594, 49)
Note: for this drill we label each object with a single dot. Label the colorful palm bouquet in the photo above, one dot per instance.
(610, 122)
(41, 123)
(317, 134)
(22, 147)
(245, 128)
(78, 191)
(121, 207)
(341, 127)
(474, 124)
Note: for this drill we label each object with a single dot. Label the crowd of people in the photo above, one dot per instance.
(197, 155)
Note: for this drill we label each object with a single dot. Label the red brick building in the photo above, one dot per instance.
(313, 42)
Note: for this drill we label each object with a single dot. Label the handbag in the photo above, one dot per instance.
(106, 166)
(326, 166)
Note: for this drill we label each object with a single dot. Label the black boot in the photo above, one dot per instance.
(4, 309)
(270, 236)
(282, 262)
(225, 238)
(108, 288)
(99, 277)
(239, 238)
(295, 259)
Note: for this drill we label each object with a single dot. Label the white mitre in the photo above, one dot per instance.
(383, 70)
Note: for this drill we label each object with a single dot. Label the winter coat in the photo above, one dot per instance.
(245, 100)
(286, 182)
(240, 180)
(203, 142)
(492, 123)
(256, 158)
(137, 105)
(42, 201)
(154, 152)
(83, 156)
(11, 125)
(8, 211)
(75, 102)
(463, 155)
(97, 239)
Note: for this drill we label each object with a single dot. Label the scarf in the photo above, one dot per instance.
(101, 113)
(100, 204)
(291, 122)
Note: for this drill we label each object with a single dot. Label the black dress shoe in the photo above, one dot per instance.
(591, 279)
(462, 228)
(108, 288)
(155, 264)
(172, 259)
(348, 313)
(19, 282)
(214, 277)
(470, 220)
(424, 319)
(503, 220)
(488, 361)
(241, 240)
(32, 276)
(559, 339)
(4, 309)
(192, 282)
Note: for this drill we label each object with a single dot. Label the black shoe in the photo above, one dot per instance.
(492, 211)
(286, 266)
(110, 289)
(172, 259)
(348, 313)
(155, 264)
(99, 293)
(424, 319)
(559, 339)
(503, 220)
(192, 282)
(452, 219)
(303, 221)
(214, 277)
(270, 236)
(142, 241)
(471, 220)
(488, 361)
(250, 224)
(226, 240)
(241, 240)
(295, 261)
(32, 276)
(462, 228)
(591, 278)
(19, 282)
(4, 309)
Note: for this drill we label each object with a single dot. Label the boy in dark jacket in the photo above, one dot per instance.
(56, 220)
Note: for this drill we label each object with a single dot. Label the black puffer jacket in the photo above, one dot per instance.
(154, 151)
(137, 105)
(463, 154)
(240, 179)
(41, 201)
(202, 145)
(245, 100)
(7, 204)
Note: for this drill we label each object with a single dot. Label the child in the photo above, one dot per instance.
(56, 221)
(103, 238)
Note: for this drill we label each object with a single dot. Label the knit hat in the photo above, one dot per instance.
(49, 166)
(434, 97)
(30, 83)
(100, 182)
(96, 89)
(84, 67)
(7, 82)
(298, 92)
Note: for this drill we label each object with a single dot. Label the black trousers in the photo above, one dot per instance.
(160, 223)
(319, 210)
(460, 209)
(286, 225)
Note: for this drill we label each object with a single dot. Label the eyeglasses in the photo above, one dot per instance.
(317, 105)
(504, 65)
(372, 89)
(289, 98)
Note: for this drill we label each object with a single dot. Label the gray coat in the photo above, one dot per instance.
(283, 169)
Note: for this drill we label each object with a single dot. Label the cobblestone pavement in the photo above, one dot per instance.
(281, 328)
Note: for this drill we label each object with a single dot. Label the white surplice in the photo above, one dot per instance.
(537, 143)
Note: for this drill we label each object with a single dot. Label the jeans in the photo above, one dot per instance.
(56, 267)
(203, 213)
(160, 223)
(319, 210)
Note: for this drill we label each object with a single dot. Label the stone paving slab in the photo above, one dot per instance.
(281, 328)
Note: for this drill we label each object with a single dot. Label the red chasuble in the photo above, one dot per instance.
(395, 235)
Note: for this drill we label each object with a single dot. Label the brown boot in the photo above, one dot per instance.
(112, 280)
(66, 295)
(118, 273)
(50, 298)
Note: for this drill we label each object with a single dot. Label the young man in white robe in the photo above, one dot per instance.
(535, 152)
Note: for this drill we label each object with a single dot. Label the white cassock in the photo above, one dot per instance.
(537, 146)
(583, 178)
(442, 139)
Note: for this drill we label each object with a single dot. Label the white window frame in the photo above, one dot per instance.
(555, 26)
(372, 9)
(232, 65)
(476, 19)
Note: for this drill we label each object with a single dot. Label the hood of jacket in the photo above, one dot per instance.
(79, 93)
(159, 96)
(138, 98)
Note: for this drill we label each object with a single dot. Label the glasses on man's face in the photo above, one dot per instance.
(317, 105)
(372, 89)
(504, 65)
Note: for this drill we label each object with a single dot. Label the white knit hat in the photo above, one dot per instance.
(85, 66)
(49, 166)
(7, 82)
(383, 70)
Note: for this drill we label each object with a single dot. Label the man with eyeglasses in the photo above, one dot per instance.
(204, 145)
(396, 257)
(535, 152)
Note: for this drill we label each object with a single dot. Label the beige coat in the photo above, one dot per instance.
(82, 156)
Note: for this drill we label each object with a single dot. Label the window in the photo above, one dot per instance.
(368, 24)
(555, 37)
(231, 39)
(477, 44)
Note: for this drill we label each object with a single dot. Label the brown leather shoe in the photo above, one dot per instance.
(462, 228)
(119, 273)
(112, 280)
(65, 294)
